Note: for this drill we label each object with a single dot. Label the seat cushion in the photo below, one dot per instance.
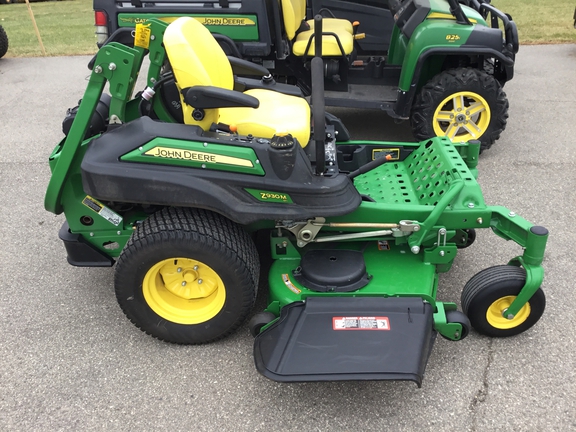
(330, 46)
(277, 113)
(333, 25)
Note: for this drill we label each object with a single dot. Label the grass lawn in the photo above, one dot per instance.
(541, 21)
(67, 27)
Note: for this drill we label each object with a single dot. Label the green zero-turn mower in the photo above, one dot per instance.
(439, 63)
(357, 231)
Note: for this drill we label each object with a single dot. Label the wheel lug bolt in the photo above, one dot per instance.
(179, 269)
(195, 267)
(184, 283)
(199, 281)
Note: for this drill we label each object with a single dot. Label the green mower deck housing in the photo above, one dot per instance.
(356, 251)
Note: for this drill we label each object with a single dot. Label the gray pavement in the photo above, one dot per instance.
(70, 360)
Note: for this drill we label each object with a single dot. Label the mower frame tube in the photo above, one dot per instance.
(117, 64)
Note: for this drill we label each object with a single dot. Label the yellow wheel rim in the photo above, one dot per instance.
(462, 116)
(184, 291)
(496, 311)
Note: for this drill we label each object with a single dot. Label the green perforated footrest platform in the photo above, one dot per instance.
(421, 179)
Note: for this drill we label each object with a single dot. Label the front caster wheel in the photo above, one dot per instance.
(490, 292)
(187, 276)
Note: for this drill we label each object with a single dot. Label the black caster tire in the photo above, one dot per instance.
(487, 295)
(187, 276)
(260, 320)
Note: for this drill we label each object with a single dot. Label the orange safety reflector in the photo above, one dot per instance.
(358, 63)
(233, 128)
(355, 23)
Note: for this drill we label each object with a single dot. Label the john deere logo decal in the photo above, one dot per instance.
(197, 156)
(224, 21)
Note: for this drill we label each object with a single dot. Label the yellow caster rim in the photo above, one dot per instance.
(495, 315)
(184, 291)
(462, 116)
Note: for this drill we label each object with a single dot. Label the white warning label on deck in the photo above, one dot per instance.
(360, 323)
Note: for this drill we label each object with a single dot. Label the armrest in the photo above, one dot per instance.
(244, 67)
(205, 97)
(242, 84)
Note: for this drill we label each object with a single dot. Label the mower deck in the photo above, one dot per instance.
(343, 334)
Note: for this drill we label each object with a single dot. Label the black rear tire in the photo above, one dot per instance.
(475, 87)
(3, 42)
(187, 276)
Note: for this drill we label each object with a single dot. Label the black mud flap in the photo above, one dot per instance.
(81, 253)
(347, 338)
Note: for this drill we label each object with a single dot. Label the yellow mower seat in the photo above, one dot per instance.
(198, 60)
(293, 14)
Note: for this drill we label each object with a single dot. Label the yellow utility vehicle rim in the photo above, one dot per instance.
(495, 315)
(184, 291)
(462, 116)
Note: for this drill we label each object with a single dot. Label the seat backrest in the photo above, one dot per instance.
(293, 13)
(196, 59)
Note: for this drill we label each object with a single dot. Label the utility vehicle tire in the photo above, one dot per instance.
(487, 295)
(3, 42)
(463, 104)
(187, 276)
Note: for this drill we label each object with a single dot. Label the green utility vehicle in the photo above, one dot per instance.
(357, 231)
(439, 63)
